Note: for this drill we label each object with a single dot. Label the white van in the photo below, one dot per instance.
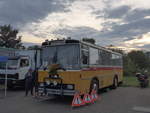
(19, 65)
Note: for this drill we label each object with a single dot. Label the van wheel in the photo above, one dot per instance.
(115, 83)
(94, 85)
(10, 86)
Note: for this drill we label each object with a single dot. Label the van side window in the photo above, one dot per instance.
(24, 62)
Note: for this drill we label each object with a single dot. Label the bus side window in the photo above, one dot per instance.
(116, 60)
(94, 57)
(85, 54)
(85, 57)
(103, 57)
(24, 62)
(100, 57)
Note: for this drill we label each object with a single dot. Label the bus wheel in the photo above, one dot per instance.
(94, 85)
(115, 83)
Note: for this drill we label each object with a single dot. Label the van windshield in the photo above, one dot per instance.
(2, 65)
(12, 64)
(65, 55)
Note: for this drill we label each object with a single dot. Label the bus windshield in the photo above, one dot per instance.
(65, 55)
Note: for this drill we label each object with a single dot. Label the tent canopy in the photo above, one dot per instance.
(3, 58)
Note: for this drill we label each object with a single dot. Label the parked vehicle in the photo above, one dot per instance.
(7, 51)
(143, 80)
(71, 66)
(18, 66)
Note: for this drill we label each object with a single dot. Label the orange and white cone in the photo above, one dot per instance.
(87, 98)
(77, 101)
(94, 96)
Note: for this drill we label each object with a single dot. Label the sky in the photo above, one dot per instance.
(122, 23)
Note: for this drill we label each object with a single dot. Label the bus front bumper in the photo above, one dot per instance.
(60, 92)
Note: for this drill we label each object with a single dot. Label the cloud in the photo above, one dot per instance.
(109, 22)
(21, 12)
(134, 4)
(137, 14)
(29, 38)
(79, 15)
(146, 47)
(86, 19)
(140, 41)
(88, 32)
(147, 17)
(129, 30)
(118, 12)
(78, 32)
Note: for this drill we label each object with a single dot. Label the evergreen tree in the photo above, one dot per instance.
(9, 38)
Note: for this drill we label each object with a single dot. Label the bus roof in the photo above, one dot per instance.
(73, 41)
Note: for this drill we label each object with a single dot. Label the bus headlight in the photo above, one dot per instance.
(48, 82)
(55, 83)
(41, 84)
(69, 86)
(55, 76)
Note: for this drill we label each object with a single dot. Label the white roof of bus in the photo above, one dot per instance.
(86, 43)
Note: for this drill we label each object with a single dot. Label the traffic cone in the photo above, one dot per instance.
(77, 101)
(94, 96)
(87, 98)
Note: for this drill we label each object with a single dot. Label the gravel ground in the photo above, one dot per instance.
(121, 100)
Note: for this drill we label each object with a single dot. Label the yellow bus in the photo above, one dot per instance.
(71, 66)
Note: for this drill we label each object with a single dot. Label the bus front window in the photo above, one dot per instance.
(65, 55)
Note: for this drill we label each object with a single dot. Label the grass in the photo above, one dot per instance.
(2, 86)
(129, 81)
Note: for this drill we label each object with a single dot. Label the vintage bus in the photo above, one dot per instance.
(77, 66)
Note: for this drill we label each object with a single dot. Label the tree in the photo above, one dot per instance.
(140, 59)
(9, 38)
(89, 40)
(129, 67)
(34, 47)
(136, 61)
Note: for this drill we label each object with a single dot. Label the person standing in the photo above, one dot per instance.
(29, 82)
(35, 81)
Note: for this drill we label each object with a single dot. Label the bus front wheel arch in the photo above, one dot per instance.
(94, 85)
(115, 82)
